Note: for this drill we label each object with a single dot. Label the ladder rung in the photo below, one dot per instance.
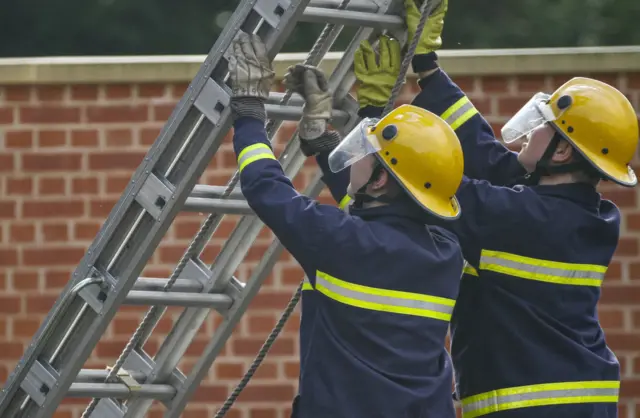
(230, 207)
(361, 5)
(180, 285)
(120, 390)
(352, 18)
(295, 113)
(276, 97)
(98, 376)
(215, 192)
(196, 300)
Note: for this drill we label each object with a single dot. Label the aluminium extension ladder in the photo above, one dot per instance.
(162, 186)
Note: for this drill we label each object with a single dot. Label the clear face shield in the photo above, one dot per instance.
(535, 113)
(359, 143)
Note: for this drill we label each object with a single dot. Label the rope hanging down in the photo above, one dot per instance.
(425, 10)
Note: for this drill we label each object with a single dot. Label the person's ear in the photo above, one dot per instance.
(381, 181)
(563, 153)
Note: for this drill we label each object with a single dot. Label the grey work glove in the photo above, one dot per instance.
(311, 83)
(251, 76)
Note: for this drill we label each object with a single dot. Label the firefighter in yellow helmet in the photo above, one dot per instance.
(586, 127)
(525, 337)
(381, 284)
(396, 145)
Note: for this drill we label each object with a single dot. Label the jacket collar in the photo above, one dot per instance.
(582, 193)
(397, 211)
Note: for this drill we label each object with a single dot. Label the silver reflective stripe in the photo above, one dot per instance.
(529, 396)
(253, 153)
(459, 113)
(384, 300)
(542, 270)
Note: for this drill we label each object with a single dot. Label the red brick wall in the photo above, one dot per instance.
(66, 153)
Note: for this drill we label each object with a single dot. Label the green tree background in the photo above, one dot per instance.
(141, 27)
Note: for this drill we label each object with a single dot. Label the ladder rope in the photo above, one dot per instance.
(264, 350)
(426, 9)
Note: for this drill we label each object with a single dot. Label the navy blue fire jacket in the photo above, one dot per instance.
(526, 341)
(384, 288)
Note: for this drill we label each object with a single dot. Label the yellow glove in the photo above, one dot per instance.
(377, 78)
(431, 38)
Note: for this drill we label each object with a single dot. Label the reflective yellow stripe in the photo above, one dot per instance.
(253, 153)
(469, 269)
(384, 300)
(344, 202)
(460, 112)
(539, 395)
(306, 284)
(542, 270)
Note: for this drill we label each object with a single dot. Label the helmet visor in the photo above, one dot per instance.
(535, 113)
(359, 143)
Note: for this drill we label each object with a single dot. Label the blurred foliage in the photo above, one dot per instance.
(141, 27)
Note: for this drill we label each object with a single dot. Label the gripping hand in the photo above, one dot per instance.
(311, 83)
(431, 38)
(377, 76)
(251, 76)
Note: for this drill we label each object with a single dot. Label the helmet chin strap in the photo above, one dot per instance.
(545, 168)
(361, 197)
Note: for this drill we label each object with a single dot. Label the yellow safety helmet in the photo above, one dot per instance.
(418, 148)
(596, 118)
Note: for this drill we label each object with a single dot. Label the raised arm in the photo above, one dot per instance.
(315, 139)
(484, 156)
(307, 229)
(376, 78)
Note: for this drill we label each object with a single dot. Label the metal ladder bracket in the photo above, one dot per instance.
(272, 10)
(141, 362)
(107, 408)
(95, 295)
(38, 382)
(125, 377)
(154, 195)
(212, 101)
(195, 270)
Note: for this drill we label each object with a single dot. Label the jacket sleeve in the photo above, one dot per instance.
(485, 158)
(307, 229)
(489, 212)
(337, 183)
